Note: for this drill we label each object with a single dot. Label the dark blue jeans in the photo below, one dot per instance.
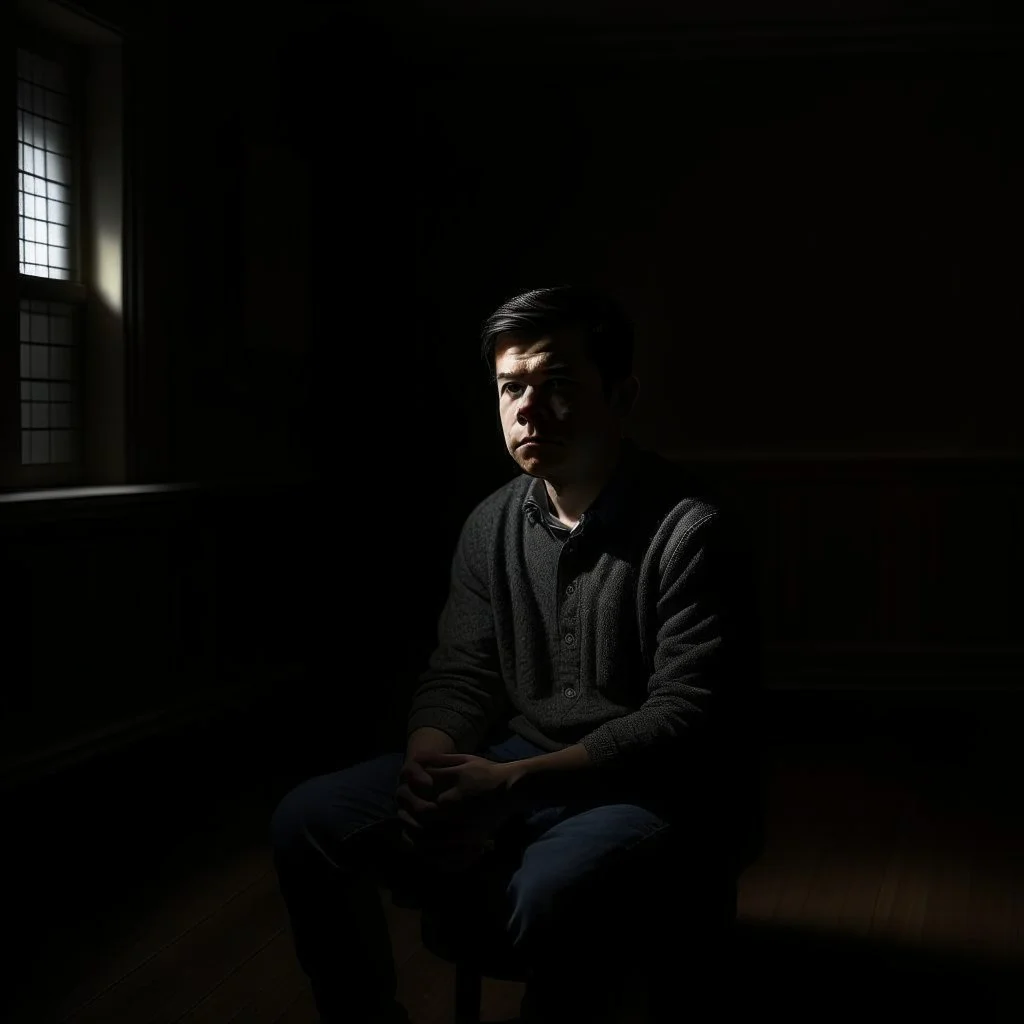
(581, 873)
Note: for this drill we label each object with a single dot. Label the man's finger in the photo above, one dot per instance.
(408, 820)
(416, 773)
(407, 798)
(442, 759)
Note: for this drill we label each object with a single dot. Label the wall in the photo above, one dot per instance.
(815, 234)
(827, 247)
(818, 245)
(139, 611)
(220, 351)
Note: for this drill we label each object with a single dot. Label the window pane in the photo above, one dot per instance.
(56, 137)
(40, 445)
(38, 362)
(60, 362)
(39, 325)
(51, 74)
(59, 213)
(48, 409)
(57, 168)
(45, 159)
(60, 330)
(56, 107)
(35, 131)
(60, 445)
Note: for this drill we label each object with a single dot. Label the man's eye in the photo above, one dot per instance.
(551, 384)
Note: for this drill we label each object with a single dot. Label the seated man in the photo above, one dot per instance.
(590, 689)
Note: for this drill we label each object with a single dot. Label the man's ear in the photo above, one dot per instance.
(625, 395)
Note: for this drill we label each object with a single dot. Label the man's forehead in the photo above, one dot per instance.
(535, 353)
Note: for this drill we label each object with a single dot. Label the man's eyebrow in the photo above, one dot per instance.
(547, 368)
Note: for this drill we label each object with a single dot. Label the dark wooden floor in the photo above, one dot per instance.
(893, 880)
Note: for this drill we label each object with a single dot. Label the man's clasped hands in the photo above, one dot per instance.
(450, 805)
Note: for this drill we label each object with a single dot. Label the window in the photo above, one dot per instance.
(49, 395)
(47, 156)
(62, 367)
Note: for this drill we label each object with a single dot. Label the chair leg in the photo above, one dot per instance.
(468, 984)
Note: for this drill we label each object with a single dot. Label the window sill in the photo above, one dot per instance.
(72, 502)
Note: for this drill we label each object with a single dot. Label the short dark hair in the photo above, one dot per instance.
(608, 331)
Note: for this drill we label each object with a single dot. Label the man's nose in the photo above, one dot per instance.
(528, 405)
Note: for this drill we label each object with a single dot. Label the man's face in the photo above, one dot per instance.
(551, 391)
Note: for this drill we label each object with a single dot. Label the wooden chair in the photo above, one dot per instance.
(464, 925)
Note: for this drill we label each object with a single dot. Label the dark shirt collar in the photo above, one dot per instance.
(611, 506)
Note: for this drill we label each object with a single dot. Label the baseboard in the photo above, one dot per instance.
(218, 704)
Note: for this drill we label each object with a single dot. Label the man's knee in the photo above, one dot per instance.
(321, 815)
(549, 913)
(290, 821)
(542, 912)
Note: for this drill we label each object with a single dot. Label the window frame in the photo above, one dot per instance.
(73, 59)
(74, 292)
(102, 358)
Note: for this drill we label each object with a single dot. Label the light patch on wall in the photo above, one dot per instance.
(107, 262)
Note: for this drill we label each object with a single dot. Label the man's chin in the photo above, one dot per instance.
(532, 458)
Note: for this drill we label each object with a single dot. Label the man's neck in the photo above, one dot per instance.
(570, 500)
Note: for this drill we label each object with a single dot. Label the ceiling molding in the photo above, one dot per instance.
(486, 39)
